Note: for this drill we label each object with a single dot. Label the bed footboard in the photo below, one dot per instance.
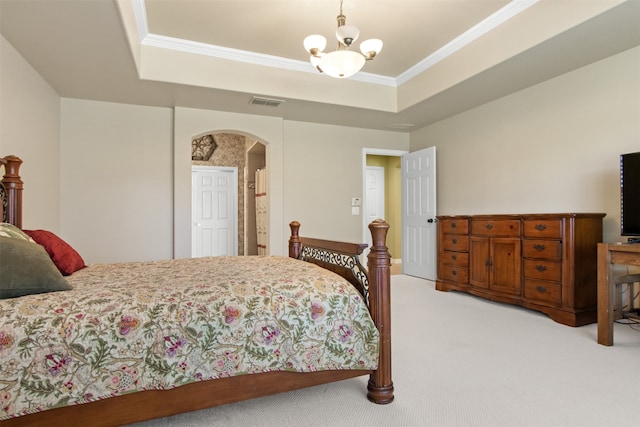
(374, 285)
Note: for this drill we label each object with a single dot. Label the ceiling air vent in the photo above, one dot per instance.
(401, 126)
(268, 102)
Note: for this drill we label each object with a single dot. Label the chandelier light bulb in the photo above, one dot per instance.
(370, 48)
(347, 34)
(315, 44)
(341, 63)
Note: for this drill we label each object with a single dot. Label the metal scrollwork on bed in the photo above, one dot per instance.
(340, 257)
(349, 264)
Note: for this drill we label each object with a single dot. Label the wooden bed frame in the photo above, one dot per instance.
(152, 404)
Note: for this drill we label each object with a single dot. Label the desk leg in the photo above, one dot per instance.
(606, 296)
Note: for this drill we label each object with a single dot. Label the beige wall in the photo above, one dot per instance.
(553, 147)
(30, 129)
(116, 176)
(324, 170)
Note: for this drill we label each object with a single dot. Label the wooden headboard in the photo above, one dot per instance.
(11, 191)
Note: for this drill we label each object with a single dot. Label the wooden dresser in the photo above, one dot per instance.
(546, 262)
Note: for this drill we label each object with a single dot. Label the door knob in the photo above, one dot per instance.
(432, 220)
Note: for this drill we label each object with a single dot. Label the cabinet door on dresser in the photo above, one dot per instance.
(495, 264)
(479, 262)
(495, 256)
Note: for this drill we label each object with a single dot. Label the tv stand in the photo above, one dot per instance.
(609, 254)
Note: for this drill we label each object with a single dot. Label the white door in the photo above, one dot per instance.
(214, 211)
(373, 199)
(419, 230)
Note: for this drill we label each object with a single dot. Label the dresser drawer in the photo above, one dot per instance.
(496, 228)
(456, 274)
(456, 258)
(455, 242)
(547, 293)
(460, 226)
(544, 249)
(550, 228)
(544, 270)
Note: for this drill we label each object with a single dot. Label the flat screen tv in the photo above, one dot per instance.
(630, 195)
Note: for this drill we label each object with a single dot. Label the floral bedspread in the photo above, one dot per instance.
(158, 325)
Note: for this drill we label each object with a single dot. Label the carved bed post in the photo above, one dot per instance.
(14, 185)
(294, 241)
(380, 385)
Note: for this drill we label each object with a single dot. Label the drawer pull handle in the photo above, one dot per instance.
(541, 227)
(541, 289)
(541, 268)
(489, 226)
(453, 225)
(538, 247)
(454, 241)
(454, 257)
(454, 273)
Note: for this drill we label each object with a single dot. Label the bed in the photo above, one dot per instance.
(128, 342)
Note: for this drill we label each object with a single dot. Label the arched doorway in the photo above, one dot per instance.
(247, 154)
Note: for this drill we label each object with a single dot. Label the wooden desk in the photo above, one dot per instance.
(611, 254)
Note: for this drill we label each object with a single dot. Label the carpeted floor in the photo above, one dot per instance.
(462, 361)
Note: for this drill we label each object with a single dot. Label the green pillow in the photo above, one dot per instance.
(26, 268)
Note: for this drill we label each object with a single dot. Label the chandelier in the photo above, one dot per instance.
(342, 62)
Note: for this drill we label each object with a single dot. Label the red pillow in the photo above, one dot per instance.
(63, 256)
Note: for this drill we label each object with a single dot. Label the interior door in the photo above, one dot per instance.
(214, 211)
(374, 200)
(419, 230)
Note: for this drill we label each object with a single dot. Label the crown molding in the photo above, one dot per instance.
(140, 12)
(221, 52)
(483, 27)
(504, 14)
